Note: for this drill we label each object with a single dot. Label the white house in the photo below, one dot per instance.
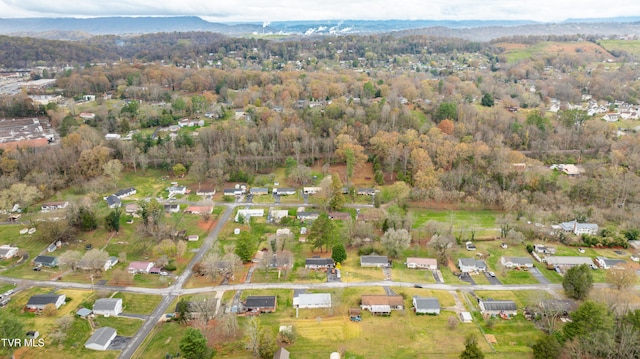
(7, 252)
(607, 263)
(312, 300)
(318, 263)
(307, 216)
(422, 263)
(246, 214)
(374, 261)
(108, 307)
(284, 191)
(568, 261)
(469, 265)
(112, 136)
(311, 190)
(140, 267)
(101, 338)
(426, 305)
(579, 228)
(110, 262)
(516, 262)
(174, 190)
(496, 307)
(51, 206)
(278, 214)
(39, 301)
(125, 192)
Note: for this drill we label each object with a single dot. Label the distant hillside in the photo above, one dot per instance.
(475, 30)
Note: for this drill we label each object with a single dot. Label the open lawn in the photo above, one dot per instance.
(165, 338)
(124, 326)
(138, 303)
(483, 222)
(629, 46)
(516, 51)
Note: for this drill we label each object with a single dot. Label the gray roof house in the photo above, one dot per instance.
(568, 261)
(318, 263)
(374, 261)
(126, 192)
(579, 228)
(426, 305)
(39, 301)
(113, 201)
(468, 265)
(516, 262)
(101, 338)
(261, 303)
(46, 261)
(259, 191)
(607, 263)
(108, 307)
(496, 307)
(312, 300)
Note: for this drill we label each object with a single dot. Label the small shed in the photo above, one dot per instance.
(466, 317)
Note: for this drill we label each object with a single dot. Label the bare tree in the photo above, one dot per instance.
(204, 308)
(70, 259)
(64, 323)
(622, 277)
(228, 324)
(284, 261)
(94, 260)
(210, 265)
(395, 241)
(441, 243)
(252, 335)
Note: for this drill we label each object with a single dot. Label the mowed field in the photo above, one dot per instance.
(517, 51)
(630, 46)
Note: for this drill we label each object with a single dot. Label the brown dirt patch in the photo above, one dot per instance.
(206, 226)
(362, 176)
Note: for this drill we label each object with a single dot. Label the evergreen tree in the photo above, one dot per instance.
(336, 202)
(322, 232)
(578, 282)
(193, 345)
(471, 349)
(338, 253)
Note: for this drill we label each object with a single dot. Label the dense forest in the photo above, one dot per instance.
(449, 117)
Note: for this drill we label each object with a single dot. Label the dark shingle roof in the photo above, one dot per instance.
(260, 301)
(43, 299)
(494, 305)
(318, 261)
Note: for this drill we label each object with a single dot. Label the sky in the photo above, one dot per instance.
(282, 10)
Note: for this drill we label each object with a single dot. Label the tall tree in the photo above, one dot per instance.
(395, 241)
(338, 253)
(471, 349)
(547, 347)
(322, 232)
(193, 345)
(578, 281)
(623, 277)
(245, 246)
(336, 202)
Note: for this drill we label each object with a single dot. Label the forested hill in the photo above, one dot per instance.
(474, 30)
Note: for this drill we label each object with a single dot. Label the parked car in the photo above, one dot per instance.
(581, 250)
(470, 246)
(492, 274)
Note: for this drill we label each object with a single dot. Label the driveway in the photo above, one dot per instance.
(492, 280)
(465, 277)
(387, 273)
(539, 276)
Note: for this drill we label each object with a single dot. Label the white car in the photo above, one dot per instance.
(492, 274)
(470, 246)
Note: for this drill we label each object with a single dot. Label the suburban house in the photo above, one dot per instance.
(422, 263)
(541, 248)
(278, 214)
(39, 301)
(125, 192)
(281, 353)
(498, 307)
(45, 261)
(110, 262)
(382, 304)
(571, 170)
(260, 303)
(311, 190)
(579, 228)
(199, 210)
(318, 263)
(284, 191)
(101, 338)
(193, 238)
(52, 206)
(185, 122)
(607, 263)
(516, 262)
(174, 190)
(426, 305)
(112, 136)
(140, 267)
(206, 192)
(568, 261)
(7, 252)
(469, 265)
(259, 191)
(339, 216)
(172, 208)
(366, 191)
(108, 307)
(113, 201)
(312, 300)
(307, 216)
(558, 305)
(246, 214)
(230, 192)
(373, 260)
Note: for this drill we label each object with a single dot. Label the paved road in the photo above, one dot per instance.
(174, 290)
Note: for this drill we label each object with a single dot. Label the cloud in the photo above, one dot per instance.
(272, 10)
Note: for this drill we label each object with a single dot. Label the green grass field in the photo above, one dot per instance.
(630, 46)
(138, 303)
(482, 221)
